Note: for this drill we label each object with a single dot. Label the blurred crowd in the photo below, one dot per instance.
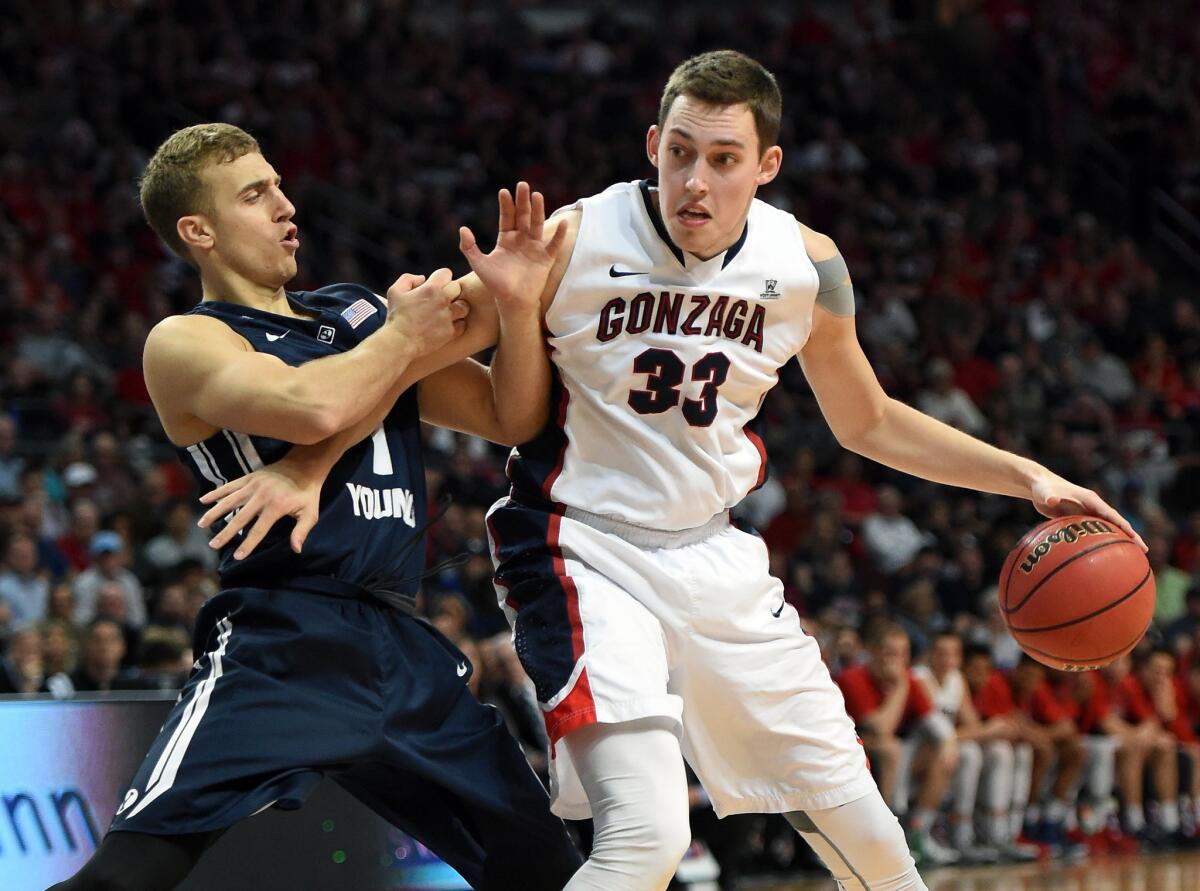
(986, 298)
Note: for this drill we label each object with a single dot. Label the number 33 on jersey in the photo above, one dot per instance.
(663, 359)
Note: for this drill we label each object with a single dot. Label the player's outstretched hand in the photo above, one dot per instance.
(516, 269)
(1054, 496)
(427, 310)
(263, 498)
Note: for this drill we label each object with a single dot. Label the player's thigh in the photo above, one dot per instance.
(764, 724)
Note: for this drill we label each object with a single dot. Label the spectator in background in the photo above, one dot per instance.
(1171, 582)
(948, 403)
(181, 538)
(22, 587)
(22, 669)
(1179, 634)
(908, 743)
(109, 558)
(60, 647)
(12, 465)
(102, 653)
(76, 543)
(1050, 730)
(1104, 373)
(892, 540)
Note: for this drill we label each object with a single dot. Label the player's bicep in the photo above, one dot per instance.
(199, 369)
(459, 397)
(841, 378)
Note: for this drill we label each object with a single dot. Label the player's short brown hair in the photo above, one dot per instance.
(727, 77)
(170, 187)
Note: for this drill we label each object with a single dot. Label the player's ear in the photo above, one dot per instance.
(195, 231)
(769, 165)
(652, 138)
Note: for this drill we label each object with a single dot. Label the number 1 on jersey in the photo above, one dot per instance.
(665, 372)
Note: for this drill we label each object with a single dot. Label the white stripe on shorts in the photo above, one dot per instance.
(162, 778)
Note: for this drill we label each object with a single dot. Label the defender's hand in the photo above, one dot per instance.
(516, 270)
(1053, 497)
(427, 312)
(263, 497)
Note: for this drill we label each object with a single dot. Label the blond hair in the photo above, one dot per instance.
(171, 187)
(727, 77)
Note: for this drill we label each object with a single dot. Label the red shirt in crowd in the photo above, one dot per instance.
(1041, 704)
(864, 694)
(994, 698)
(1087, 715)
(1131, 700)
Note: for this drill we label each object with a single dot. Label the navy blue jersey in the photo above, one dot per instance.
(373, 501)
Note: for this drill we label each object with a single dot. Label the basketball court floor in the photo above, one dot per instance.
(1151, 872)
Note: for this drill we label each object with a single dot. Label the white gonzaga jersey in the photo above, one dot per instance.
(662, 360)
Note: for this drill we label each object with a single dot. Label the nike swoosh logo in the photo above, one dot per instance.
(462, 669)
(618, 273)
(278, 336)
(776, 613)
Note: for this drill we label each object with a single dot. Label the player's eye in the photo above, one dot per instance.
(677, 151)
(726, 159)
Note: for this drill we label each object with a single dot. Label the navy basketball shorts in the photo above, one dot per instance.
(289, 686)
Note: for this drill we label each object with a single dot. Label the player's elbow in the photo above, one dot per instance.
(859, 430)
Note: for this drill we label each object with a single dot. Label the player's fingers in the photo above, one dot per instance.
(238, 522)
(467, 244)
(408, 281)
(524, 208)
(459, 309)
(226, 505)
(1102, 510)
(437, 281)
(537, 216)
(459, 325)
(507, 211)
(222, 491)
(304, 525)
(261, 527)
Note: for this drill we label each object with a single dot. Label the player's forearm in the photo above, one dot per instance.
(520, 376)
(907, 440)
(340, 391)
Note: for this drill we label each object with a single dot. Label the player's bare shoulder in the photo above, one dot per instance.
(180, 351)
(818, 245)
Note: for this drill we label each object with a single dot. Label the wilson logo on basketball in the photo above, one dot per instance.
(1071, 533)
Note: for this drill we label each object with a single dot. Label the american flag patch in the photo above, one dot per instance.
(358, 311)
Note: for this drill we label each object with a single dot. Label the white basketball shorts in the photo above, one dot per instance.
(614, 623)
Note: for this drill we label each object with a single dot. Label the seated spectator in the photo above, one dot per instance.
(1053, 736)
(12, 465)
(906, 739)
(76, 542)
(108, 553)
(164, 660)
(100, 660)
(181, 538)
(60, 647)
(943, 680)
(22, 587)
(1006, 779)
(948, 403)
(892, 540)
(22, 669)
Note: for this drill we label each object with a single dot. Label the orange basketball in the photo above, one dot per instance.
(1076, 593)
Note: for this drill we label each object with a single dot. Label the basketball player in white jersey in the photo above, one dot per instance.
(649, 624)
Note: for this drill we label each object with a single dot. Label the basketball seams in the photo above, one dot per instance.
(1014, 554)
(1141, 584)
(1049, 575)
(1094, 663)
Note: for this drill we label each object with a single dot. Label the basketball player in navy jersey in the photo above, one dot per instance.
(311, 664)
(649, 624)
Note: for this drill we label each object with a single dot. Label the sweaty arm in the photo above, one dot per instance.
(867, 421)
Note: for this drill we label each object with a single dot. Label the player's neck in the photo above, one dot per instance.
(228, 287)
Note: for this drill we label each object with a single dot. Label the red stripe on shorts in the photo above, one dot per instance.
(578, 708)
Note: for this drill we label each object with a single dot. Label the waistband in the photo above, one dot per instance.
(325, 584)
(643, 536)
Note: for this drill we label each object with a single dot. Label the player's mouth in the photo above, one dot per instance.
(290, 239)
(693, 216)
